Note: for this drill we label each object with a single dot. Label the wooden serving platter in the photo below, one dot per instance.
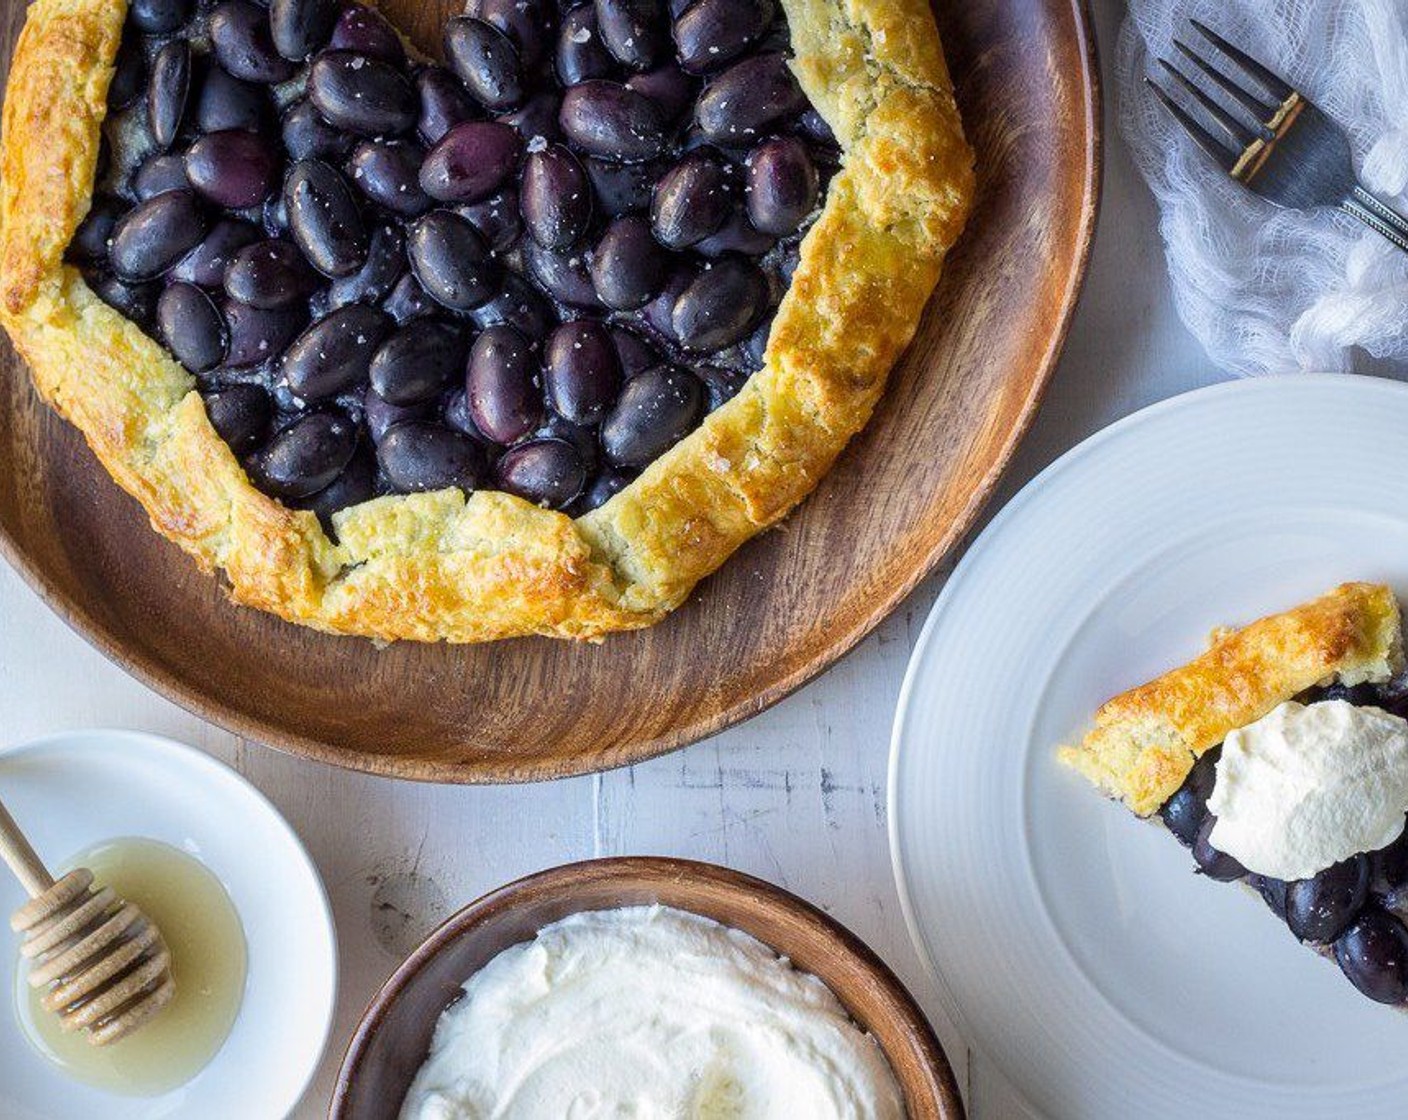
(778, 613)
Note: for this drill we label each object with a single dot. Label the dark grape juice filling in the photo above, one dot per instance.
(1354, 910)
(534, 269)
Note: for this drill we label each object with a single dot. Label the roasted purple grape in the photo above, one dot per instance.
(1373, 954)
(307, 455)
(414, 363)
(720, 306)
(444, 103)
(299, 27)
(655, 411)
(583, 371)
(486, 61)
(1211, 862)
(306, 135)
(226, 102)
(269, 274)
(192, 327)
(324, 218)
(90, 240)
(362, 95)
(1184, 812)
(783, 185)
(388, 173)
(497, 219)
(380, 415)
(636, 32)
(629, 266)
(365, 31)
(747, 99)
(605, 487)
(240, 413)
(167, 91)
(234, 169)
(244, 45)
(417, 456)
(335, 353)
(376, 280)
(580, 51)
(258, 335)
(562, 273)
(556, 197)
(526, 23)
(692, 200)
(612, 121)
(165, 171)
(471, 161)
(711, 33)
(502, 387)
(158, 17)
(1318, 909)
(451, 260)
(547, 472)
(150, 238)
(355, 484)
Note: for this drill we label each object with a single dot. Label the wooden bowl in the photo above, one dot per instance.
(393, 1037)
(779, 612)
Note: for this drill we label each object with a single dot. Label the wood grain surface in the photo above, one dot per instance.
(778, 613)
(393, 1038)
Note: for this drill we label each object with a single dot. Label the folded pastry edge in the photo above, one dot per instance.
(1146, 740)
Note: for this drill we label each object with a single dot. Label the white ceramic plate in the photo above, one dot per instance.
(74, 790)
(1074, 944)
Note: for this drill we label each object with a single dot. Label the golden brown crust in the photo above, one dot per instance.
(1146, 740)
(437, 566)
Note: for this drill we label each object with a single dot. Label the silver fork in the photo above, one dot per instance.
(1271, 138)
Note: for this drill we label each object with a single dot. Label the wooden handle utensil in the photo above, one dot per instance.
(105, 965)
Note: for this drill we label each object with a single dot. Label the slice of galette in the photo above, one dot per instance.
(528, 342)
(1280, 757)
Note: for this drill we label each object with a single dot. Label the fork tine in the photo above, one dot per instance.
(1236, 131)
(1225, 158)
(1269, 81)
(1260, 110)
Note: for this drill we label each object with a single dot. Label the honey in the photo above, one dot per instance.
(190, 907)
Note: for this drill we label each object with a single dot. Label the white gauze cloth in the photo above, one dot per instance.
(1268, 290)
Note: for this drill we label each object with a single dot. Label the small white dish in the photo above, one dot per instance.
(132, 784)
(1073, 943)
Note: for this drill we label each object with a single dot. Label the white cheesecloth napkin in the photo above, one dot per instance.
(1268, 290)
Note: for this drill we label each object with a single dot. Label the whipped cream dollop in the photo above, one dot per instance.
(1306, 786)
(650, 1013)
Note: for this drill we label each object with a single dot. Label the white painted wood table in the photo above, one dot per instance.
(796, 796)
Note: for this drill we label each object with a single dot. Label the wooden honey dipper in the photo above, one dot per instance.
(105, 964)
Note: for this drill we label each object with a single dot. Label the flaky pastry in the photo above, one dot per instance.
(1146, 740)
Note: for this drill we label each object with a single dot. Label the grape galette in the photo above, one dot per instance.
(528, 342)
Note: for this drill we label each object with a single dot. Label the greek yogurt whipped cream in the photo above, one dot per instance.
(1306, 786)
(650, 1013)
